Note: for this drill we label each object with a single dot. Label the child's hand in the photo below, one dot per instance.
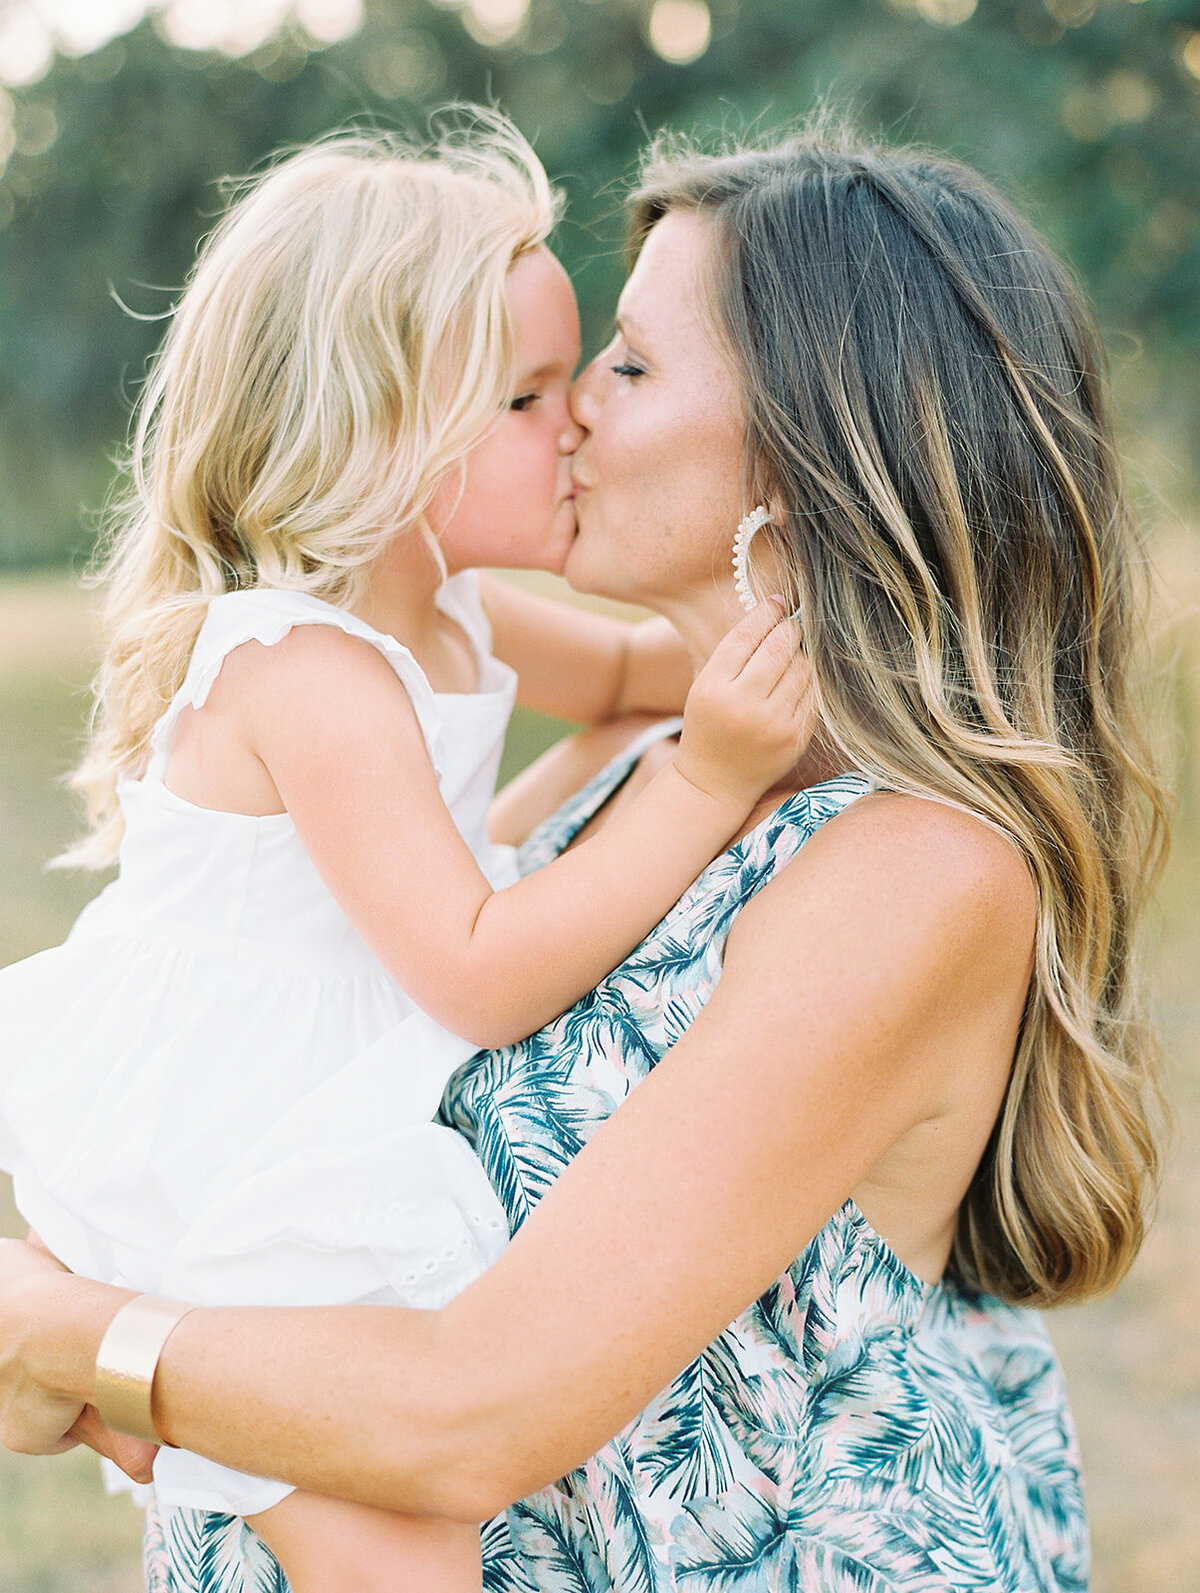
(748, 716)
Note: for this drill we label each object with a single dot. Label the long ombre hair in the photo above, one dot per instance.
(341, 344)
(926, 413)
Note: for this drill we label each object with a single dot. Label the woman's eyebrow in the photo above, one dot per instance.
(628, 326)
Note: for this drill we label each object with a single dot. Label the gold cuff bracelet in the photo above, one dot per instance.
(128, 1359)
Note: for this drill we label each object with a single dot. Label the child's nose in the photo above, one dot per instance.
(571, 435)
(584, 397)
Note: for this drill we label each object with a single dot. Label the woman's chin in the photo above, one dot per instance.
(579, 573)
(556, 551)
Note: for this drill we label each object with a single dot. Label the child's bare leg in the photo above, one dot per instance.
(328, 1546)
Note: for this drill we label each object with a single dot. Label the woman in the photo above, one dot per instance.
(893, 1080)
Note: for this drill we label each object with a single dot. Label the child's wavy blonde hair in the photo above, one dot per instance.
(342, 342)
(927, 414)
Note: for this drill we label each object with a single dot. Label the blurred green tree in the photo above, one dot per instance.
(1087, 111)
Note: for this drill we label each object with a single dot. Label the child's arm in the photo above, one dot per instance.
(585, 666)
(338, 736)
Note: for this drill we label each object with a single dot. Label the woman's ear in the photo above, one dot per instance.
(748, 528)
(776, 560)
(760, 563)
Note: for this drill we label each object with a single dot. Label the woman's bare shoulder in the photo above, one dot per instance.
(541, 789)
(924, 867)
(920, 832)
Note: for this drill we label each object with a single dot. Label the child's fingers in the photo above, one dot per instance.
(739, 645)
(795, 679)
(773, 659)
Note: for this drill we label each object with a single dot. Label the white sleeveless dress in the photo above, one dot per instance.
(213, 1089)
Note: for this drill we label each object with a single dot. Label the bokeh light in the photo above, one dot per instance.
(410, 66)
(32, 30)
(942, 13)
(234, 27)
(1071, 13)
(680, 30)
(494, 21)
(81, 26)
(36, 129)
(8, 136)
(1090, 111)
(1131, 96)
(328, 21)
(26, 46)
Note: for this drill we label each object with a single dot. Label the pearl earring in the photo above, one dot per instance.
(754, 522)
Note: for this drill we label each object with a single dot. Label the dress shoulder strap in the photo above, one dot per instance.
(557, 832)
(266, 615)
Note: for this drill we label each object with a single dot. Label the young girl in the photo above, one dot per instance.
(222, 1086)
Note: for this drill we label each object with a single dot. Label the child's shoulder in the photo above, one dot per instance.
(274, 617)
(324, 659)
(264, 611)
(267, 658)
(286, 646)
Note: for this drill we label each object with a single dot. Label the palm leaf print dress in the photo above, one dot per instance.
(856, 1430)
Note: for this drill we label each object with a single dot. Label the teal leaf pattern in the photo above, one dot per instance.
(854, 1431)
(194, 1551)
(683, 1441)
(734, 1543)
(502, 1568)
(565, 1556)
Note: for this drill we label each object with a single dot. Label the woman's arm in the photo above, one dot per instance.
(584, 666)
(856, 987)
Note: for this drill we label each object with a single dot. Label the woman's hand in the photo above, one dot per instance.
(749, 715)
(34, 1420)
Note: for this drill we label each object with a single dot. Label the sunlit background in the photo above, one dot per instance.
(118, 120)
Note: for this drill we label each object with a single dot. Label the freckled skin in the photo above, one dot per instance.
(663, 462)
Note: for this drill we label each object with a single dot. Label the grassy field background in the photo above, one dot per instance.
(1133, 1360)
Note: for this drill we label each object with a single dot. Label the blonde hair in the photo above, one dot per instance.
(925, 406)
(342, 342)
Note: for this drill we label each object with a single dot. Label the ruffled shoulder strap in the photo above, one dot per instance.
(266, 615)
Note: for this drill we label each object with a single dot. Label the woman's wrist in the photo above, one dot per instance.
(51, 1325)
(128, 1359)
(67, 1318)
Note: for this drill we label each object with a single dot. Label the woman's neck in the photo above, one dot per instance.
(702, 620)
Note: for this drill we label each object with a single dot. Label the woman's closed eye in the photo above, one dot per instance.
(625, 369)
